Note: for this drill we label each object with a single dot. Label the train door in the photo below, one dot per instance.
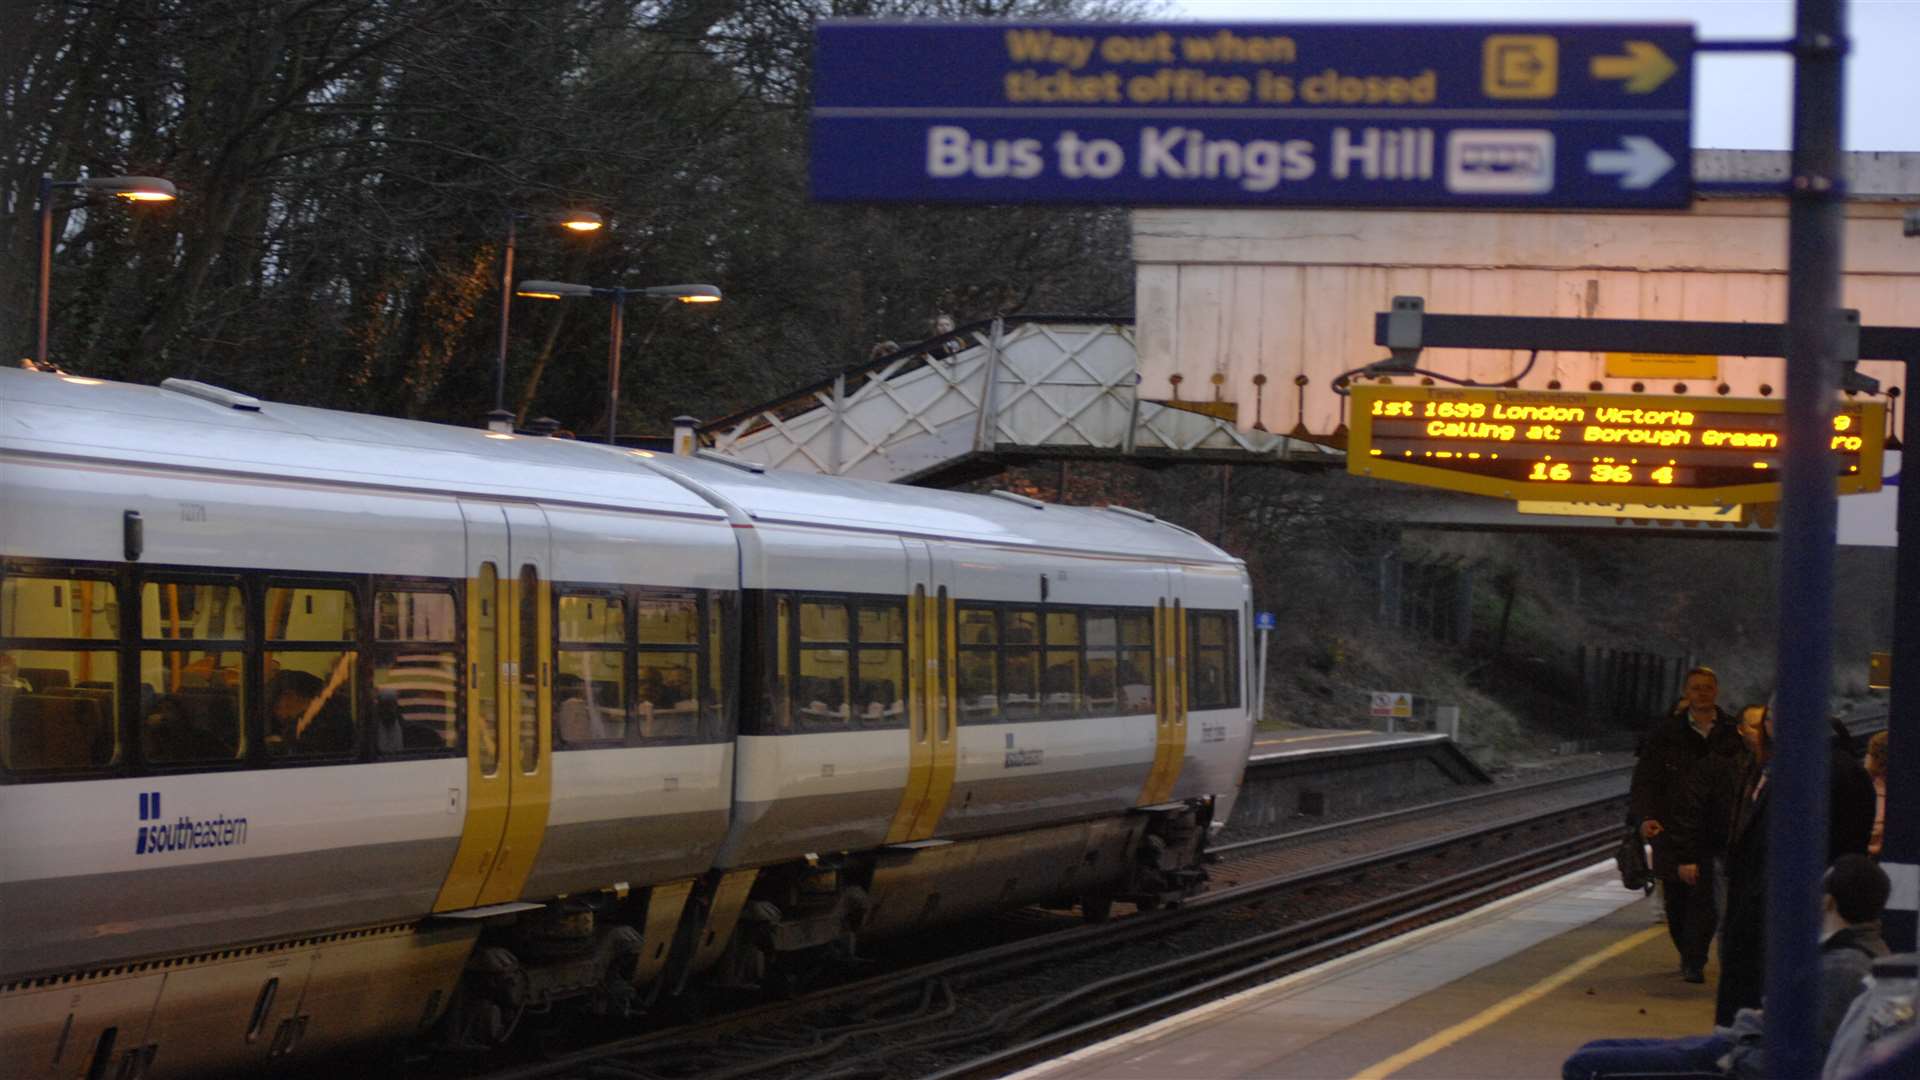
(506, 589)
(1169, 693)
(931, 714)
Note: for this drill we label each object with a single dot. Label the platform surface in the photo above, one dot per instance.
(1309, 741)
(1506, 991)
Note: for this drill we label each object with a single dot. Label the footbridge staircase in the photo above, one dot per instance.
(970, 402)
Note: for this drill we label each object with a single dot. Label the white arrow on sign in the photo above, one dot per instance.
(1638, 166)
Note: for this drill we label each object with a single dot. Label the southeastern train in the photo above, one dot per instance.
(319, 730)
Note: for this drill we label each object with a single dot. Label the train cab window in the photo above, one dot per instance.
(666, 704)
(1213, 680)
(312, 663)
(879, 698)
(820, 695)
(590, 681)
(1103, 663)
(1135, 675)
(416, 672)
(1061, 689)
(1020, 664)
(59, 689)
(977, 653)
(192, 693)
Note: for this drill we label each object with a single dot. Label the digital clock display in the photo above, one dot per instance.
(1527, 444)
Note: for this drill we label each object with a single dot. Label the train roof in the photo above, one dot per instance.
(189, 425)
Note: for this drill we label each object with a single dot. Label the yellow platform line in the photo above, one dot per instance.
(1494, 1013)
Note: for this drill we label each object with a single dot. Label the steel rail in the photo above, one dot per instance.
(1226, 969)
(1024, 955)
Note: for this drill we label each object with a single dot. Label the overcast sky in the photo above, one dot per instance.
(1740, 102)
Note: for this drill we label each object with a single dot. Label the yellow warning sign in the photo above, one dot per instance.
(1729, 513)
(1647, 365)
(1521, 66)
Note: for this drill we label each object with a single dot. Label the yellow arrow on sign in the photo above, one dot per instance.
(1644, 67)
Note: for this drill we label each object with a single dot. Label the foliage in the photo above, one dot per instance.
(346, 169)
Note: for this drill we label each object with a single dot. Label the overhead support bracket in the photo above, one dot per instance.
(1679, 336)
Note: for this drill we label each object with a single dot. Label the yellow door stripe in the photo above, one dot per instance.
(943, 713)
(526, 684)
(1177, 729)
(1162, 704)
(919, 721)
(486, 795)
(1493, 1014)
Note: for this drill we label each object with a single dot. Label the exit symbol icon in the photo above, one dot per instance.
(1521, 66)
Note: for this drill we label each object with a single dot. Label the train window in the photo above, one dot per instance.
(590, 682)
(192, 692)
(881, 660)
(1103, 662)
(664, 706)
(529, 664)
(59, 699)
(668, 619)
(1213, 672)
(820, 690)
(978, 657)
(1020, 664)
(483, 666)
(310, 680)
(416, 672)
(1060, 686)
(1135, 677)
(666, 700)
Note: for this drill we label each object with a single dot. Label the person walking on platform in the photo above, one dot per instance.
(1679, 754)
(1855, 894)
(1743, 933)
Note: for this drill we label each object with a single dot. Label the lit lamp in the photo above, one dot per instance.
(130, 188)
(579, 221)
(559, 290)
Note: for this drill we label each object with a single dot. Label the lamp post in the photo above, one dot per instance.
(130, 188)
(579, 221)
(556, 290)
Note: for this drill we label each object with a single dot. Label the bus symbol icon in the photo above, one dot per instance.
(1499, 162)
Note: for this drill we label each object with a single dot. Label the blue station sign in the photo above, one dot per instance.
(1253, 114)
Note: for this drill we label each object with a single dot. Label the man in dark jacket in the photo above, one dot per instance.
(1673, 761)
(1851, 804)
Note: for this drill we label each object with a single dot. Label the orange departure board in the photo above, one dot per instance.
(1529, 444)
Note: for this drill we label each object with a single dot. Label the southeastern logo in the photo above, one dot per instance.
(184, 833)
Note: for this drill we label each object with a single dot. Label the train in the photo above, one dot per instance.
(321, 730)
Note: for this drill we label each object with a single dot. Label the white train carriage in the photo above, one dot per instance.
(314, 726)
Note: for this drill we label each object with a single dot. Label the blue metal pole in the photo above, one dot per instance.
(1797, 809)
(1900, 847)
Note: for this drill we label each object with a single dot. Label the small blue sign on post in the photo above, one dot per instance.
(1264, 621)
(1252, 114)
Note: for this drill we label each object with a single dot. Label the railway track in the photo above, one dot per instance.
(989, 1010)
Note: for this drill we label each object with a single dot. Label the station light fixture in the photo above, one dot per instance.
(130, 188)
(538, 289)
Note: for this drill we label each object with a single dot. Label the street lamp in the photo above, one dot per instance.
(579, 221)
(130, 188)
(557, 290)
